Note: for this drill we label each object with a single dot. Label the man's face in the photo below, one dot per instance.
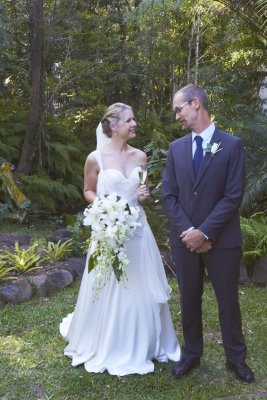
(185, 111)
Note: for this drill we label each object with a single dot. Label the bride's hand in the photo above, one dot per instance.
(143, 193)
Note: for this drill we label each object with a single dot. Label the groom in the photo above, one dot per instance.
(203, 186)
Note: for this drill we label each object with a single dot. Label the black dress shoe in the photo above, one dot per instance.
(242, 372)
(183, 367)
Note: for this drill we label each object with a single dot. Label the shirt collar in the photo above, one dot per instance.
(206, 134)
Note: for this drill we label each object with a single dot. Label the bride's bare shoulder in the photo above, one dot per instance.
(140, 155)
(91, 160)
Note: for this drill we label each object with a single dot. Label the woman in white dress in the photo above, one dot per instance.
(129, 324)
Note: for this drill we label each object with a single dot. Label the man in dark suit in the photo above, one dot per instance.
(203, 186)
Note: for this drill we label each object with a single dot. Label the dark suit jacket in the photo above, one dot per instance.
(211, 201)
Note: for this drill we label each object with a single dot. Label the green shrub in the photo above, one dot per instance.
(57, 251)
(23, 260)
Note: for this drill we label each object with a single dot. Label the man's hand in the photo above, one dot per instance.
(207, 245)
(193, 239)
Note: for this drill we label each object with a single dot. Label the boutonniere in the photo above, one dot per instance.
(213, 148)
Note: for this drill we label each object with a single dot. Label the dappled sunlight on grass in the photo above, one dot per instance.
(34, 366)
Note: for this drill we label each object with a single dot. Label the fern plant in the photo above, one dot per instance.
(57, 251)
(254, 233)
(52, 191)
(23, 260)
(259, 223)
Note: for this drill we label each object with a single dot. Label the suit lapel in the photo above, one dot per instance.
(188, 156)
(216, 138)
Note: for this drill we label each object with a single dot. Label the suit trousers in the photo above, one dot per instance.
(223, 267)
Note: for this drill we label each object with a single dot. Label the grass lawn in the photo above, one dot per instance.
(32, 365)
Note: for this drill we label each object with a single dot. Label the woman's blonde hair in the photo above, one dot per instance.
(112, 115)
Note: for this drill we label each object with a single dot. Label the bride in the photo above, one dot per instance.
(129, 324)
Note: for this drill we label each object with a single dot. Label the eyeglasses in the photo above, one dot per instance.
(179, 109)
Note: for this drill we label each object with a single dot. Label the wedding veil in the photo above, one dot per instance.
(101, 138)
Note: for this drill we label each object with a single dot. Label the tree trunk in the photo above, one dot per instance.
(197, 30)
(31, 138)
(188, 68)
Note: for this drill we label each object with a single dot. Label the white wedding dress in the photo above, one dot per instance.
(129, 324)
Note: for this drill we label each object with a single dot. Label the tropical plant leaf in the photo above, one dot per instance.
(127, 208)
(4, 271)
(57, 251)
(23, 260)
(253, 11)
(91, 263)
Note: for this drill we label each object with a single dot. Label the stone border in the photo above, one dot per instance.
(55, 276)
(43, 284)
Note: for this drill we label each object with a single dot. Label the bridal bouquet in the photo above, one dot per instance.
(112, 222)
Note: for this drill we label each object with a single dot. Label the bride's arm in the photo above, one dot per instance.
(91, 171)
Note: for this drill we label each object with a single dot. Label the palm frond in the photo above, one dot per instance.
(255, 197)
(252, 11)
(259, 223)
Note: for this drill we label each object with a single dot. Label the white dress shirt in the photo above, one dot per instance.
(206, 136)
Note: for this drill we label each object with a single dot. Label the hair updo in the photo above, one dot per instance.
(112, 115)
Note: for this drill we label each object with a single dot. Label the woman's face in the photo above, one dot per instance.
(126, 125)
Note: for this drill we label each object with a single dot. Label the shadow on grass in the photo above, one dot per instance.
(34, 368)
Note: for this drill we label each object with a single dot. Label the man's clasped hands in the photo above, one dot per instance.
(195, 241)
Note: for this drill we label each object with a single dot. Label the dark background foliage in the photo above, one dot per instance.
(63, 62)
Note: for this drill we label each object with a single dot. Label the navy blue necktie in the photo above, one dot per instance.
(198, 156)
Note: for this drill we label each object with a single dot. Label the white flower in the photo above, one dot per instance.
(213, 148)
(112, 222)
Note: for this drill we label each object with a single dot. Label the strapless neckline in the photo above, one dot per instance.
(120, 172)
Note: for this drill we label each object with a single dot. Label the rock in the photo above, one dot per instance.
(259, 271)
(60, 279)
(75, 266)
(61, 234)
(243, 276)
(16, 292)
(42, 285)
(7, 240)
